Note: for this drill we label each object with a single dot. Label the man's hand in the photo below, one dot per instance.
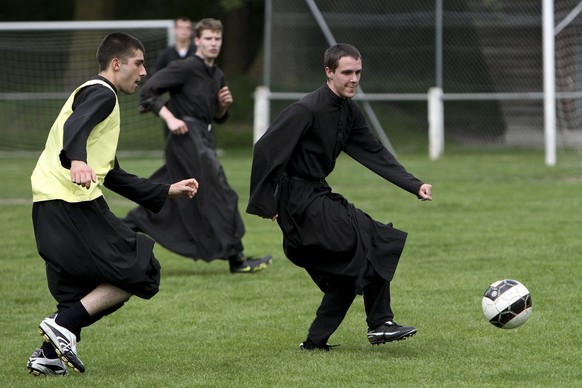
(185, 188)
(224, 97)
(224, 101)
(425, 192)
(175, 125)
(82, 174)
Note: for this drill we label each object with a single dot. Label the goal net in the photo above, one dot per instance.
(42, 63)
(488, 63)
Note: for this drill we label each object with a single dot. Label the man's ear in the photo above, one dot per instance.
(115, 64)
(328, 72)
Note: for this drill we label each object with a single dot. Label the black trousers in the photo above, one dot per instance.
(339, 293)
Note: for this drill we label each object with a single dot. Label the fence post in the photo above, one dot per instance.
(549, 71)
(262, 112)
(436, 123)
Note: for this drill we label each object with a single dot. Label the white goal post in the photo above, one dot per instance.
(42, 62)
(506, 76)
(90, 25)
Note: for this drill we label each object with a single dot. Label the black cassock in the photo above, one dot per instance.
(322, 231)
(210, 225)
(207, 227)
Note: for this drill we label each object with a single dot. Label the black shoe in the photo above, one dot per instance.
(251, 265)
(390, 331)
(310, 346)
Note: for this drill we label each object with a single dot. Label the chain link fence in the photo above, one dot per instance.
(486, 55)
(43, 62)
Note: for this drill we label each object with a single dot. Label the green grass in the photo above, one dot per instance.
(495, 215)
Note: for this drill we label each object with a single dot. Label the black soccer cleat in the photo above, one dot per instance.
(310, 346)
(251, 265)
(388, 332)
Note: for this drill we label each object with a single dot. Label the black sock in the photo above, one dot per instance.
(49, 350)
(74, 318)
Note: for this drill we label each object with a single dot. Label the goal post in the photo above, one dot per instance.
(42, 62)
(436, 123)
(509, 72)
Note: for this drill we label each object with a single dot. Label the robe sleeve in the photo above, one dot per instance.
(271, 155)
(226, 115)
(364, 147)
(151, 94)
(145, 192)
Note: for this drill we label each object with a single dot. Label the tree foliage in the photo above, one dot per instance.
(243, 19)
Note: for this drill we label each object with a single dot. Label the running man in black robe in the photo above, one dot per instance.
(342, 248)
(209, 227)
(94, 262)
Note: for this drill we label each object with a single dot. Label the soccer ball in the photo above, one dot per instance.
(507, 304)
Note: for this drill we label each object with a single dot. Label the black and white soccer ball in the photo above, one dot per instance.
(507, 304)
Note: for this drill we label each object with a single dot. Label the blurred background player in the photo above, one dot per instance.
(211, 226)
(183, 46)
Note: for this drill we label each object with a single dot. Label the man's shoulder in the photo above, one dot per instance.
(97, 88)
(313, 99)
(191, 62)
(183, 66)
(95, 94)
(167, 51)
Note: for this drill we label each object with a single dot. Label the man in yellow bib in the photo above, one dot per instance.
(94, 261)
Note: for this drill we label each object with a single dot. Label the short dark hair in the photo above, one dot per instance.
(334, 53)
(182, 19)
(117, 45)
(208, 24)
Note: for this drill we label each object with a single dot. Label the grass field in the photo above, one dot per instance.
(494, 215)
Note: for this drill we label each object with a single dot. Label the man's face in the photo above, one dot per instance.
(208, 44)
(131, 72)
(183, 30)
(344, 80)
